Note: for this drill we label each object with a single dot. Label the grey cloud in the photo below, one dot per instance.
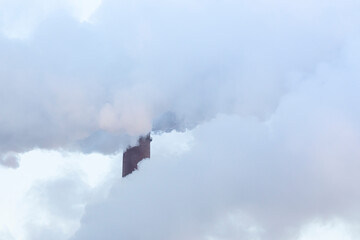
(137, 62)
(9, 160)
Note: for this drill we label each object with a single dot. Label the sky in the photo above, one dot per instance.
(253, 108)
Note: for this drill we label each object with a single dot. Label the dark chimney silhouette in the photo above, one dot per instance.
(133, 155)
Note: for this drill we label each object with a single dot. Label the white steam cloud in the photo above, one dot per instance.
(91, 86)
(270, 89)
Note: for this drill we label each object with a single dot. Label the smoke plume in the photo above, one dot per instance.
(267, 89)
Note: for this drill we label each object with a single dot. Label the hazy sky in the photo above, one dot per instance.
(254, 107)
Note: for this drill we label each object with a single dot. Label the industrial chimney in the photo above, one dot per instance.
(133, 155)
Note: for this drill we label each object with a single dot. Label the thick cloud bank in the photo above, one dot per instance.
(93, 76)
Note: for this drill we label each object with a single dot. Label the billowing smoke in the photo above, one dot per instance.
(269, 89)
